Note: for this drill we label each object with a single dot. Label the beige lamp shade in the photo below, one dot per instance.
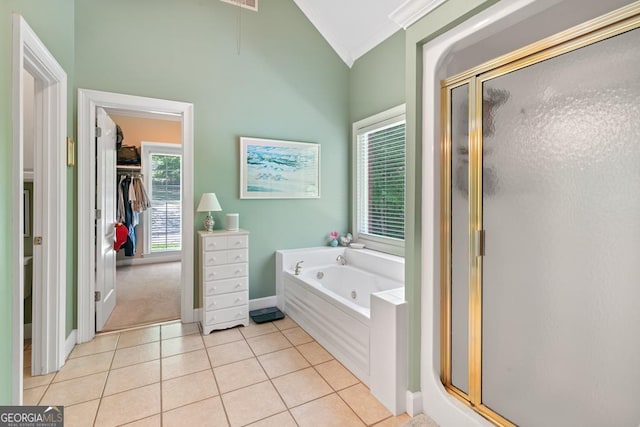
(209, 203)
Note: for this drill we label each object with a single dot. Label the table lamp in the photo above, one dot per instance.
(208, 203)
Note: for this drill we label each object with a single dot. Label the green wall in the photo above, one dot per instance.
(273, 76)
(377, 79)
(53, 21)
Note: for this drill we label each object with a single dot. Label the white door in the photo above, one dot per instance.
(105, 223)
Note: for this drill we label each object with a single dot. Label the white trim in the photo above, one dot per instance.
(378, 243)
(414, 403)
(412, 10)
(148, 148)
(88, 101)
(308, 8)
(49, 292)
(70, 343)
(150, 259)
(259, 303)
(197, 314)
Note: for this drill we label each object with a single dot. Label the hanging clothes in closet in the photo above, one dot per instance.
(132, 199)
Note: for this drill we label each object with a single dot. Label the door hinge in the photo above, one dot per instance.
(97, 296)
(98, 132)
(98, 214)
(37, 241)
(480, 242)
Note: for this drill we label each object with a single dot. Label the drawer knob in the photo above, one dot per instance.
(239, 315)
(238, 299)
(215, 288)
(238, 271)
(238, 257)
(237, 285)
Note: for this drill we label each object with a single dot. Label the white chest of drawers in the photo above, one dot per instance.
(224, 279)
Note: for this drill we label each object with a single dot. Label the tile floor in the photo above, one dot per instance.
(272, 374)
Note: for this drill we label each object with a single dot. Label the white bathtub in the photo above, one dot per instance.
(332, 302)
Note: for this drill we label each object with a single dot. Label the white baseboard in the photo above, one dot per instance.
(414, 403)
(197, 314)
(27, 331)
(148, 259)
(258, 303)
(70, 343)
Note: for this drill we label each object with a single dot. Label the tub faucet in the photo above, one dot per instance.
(298, 267)
(342, 260)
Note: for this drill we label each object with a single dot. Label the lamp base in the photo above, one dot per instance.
(209, 223)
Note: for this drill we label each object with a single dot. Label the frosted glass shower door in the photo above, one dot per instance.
(561, 210)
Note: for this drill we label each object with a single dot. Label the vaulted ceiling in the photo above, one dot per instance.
(353, 27)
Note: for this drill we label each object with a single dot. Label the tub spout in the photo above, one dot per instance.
(342, 260)
(298, 267)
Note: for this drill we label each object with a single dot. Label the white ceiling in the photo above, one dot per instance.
(353, 27)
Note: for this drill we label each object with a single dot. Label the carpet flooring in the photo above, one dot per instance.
(148, 293)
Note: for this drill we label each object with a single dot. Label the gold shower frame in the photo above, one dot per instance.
(612, 24)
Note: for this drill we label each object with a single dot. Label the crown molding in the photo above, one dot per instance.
(412, 10)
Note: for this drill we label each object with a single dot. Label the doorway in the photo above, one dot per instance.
(33, 62)
(148, 261)
(89, 272)
(537, 312)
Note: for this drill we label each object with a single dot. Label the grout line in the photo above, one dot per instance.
(224, 408)
(104, 386)
(160, 362)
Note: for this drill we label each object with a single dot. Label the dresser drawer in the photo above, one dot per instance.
(225, 271)
(215, 243)
(215, 258)
(225, 315)
(237, 255)
(237, 242)
(219, 302)
(217, 287)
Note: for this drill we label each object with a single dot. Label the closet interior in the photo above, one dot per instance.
(148, 225)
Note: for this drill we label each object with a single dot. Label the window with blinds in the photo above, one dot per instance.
(380, 159)
(166, 202)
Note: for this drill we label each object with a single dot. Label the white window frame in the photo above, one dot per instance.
(147, 150)
(380, 120)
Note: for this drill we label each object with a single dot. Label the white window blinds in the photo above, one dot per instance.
(381, 159)
(166, 203)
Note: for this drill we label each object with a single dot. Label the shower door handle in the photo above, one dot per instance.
(480, 242)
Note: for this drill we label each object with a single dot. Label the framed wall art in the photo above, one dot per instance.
(272, 169)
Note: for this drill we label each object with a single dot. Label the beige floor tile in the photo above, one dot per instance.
(329, 411)
(282, 362)
(83, 366)
(137, 354)
(252, 403)
(37, 381)
(184, 364)
(285, 323)
(229, 353)
(188, 389)
(301, 387)
(173, 346)
(131, 377)
(139, 336)
(268, 343)
(33, 395)
(297, 336)
(153, 421)
(204, 413)
(99, 344)
(336, 375)
(129, 406)
(78, 390)
(178, 329)
(283, 419)
(360, 399)
(239, 374)
(82, 414)
(26, 357)
(398, 421)
(222, 337)
(255, 329)
(314, 353)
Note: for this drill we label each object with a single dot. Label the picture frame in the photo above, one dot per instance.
(275, 169)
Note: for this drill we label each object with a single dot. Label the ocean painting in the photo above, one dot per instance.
(273, 169)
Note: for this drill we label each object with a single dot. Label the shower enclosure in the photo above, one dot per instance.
(541, 230)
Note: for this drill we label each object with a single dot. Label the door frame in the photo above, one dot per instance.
(49, 314)
(88, 101)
